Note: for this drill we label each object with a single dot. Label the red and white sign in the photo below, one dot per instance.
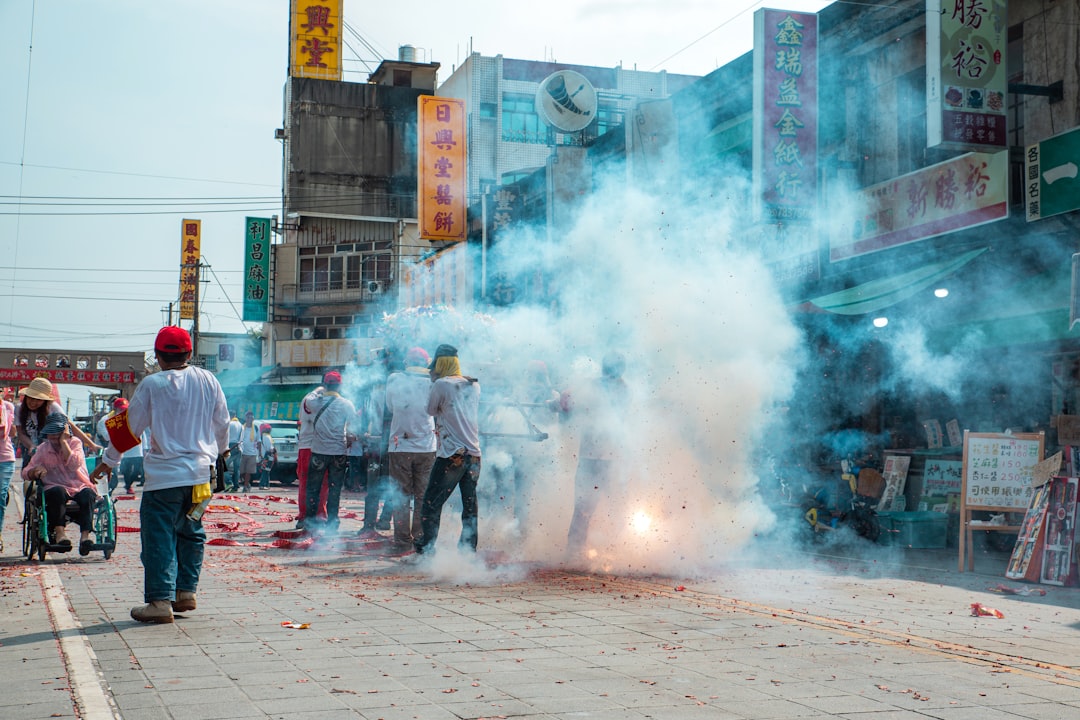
(785, 112)
(78, 377)
(960, 193)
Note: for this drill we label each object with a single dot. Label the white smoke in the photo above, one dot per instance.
(710, 354)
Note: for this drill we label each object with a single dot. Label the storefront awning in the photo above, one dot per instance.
(881, 293)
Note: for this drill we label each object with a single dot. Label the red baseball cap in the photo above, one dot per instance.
(332, 378)
(119, 403)
(172, 339)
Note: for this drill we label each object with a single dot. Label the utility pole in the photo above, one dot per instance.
(195, 312)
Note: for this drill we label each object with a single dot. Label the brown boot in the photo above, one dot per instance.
(155, 611)
(184, 602)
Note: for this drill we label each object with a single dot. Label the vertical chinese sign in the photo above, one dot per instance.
(256, 268)
(966, 80)
(440, 129)
(315, 39)
(785, 116)
(190, 232)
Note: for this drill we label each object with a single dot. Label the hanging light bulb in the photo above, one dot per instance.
(880, 322)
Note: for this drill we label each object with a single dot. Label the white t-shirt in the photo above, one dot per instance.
(249, 440)
(188, 417)
(455, 404)
(329, 428)
(412, 429)
(303, 440)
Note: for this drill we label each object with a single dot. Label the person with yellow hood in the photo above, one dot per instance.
(454, 402)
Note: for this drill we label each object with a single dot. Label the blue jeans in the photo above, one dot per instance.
(447, 474)
(333, 466)
(234, 467)
(132, 470)
(172, 544)
(7, 469)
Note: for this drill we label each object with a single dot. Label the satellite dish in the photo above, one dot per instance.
(566, 101)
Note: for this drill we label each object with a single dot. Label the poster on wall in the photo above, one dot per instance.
(895, 473)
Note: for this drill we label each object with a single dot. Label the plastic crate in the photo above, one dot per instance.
(917, 529)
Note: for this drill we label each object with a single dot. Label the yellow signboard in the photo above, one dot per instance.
(441, 195)
(190, 234)
(323, 353)
(315, 39)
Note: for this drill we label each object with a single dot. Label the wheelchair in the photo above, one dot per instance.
(36, 524)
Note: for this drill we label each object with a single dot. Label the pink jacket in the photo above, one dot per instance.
(70, 475)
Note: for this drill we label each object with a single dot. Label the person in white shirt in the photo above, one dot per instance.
(411, 450)
(333, 426)
(249, 451)
(455, 404)
(303, 459)
(185, 409)
(235, 428)
(267, 455)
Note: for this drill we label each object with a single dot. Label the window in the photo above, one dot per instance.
(377, 267)
(488, 111)
(343, 272)
(520, 123)
(608, 117)
(354, 271)
(403, 78)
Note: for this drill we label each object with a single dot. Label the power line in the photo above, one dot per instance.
(141, 175)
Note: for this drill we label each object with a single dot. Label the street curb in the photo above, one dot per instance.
(87, 684)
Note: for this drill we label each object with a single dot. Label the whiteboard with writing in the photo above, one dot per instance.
(997, 469)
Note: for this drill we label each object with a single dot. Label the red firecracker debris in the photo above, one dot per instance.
(980, 610)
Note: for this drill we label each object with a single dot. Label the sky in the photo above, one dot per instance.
(120, 119)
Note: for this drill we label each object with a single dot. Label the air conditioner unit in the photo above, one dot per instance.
(302, 333)
(374, 287)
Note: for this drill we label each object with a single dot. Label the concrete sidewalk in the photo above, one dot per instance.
(887, 637)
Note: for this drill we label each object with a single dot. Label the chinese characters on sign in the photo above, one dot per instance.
(966, 81)
(786, 115)
(441, 197)
(966, 191)
(256, 269)
(88, 377)
(315, 38)
(190, 231)
(998, 471)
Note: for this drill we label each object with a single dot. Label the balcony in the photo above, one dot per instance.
(373, 291)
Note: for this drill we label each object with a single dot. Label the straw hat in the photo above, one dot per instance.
(39, 388)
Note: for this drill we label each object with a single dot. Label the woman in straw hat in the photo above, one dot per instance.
(37, 404)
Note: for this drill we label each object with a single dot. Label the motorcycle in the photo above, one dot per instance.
(865, 486)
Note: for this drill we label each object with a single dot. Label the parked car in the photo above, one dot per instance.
(287, 442)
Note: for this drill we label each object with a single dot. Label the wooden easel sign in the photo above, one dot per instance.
(997, 471)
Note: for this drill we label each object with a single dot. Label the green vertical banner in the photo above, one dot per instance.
(256, 269)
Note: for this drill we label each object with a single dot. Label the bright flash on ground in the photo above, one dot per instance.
(641, 522)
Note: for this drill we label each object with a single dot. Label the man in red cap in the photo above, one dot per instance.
(334, 425)
(184, 407)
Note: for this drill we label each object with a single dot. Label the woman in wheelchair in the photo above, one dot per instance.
(60, 465)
